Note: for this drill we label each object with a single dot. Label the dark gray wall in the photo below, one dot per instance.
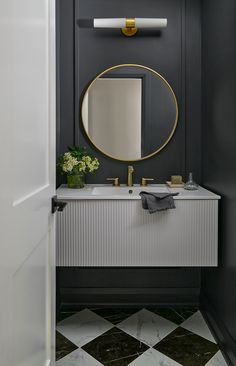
(65, 126)
(176, 54)
(219, 155)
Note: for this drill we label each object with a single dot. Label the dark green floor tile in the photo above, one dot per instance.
(176, 315)
(114, 315)
(63, 346)
(187, 348)
(115, 348)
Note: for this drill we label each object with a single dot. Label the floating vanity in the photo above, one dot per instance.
(106, 226)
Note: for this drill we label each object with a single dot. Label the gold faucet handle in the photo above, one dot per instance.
(144, 181)
(115, 181)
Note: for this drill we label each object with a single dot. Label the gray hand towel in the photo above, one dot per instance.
(157, 201)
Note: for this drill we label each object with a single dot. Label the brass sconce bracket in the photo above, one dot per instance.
(130, 29)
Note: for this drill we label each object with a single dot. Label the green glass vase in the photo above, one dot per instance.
(75, 181)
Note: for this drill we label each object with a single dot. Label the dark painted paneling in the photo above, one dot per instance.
(100, 49)
(163, 51)
(219, 152)
(65, 76)
(176, 54)
(192, 104)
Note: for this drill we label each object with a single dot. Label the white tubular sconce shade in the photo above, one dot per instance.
(151, 22)
(129, 26)
(109, 23)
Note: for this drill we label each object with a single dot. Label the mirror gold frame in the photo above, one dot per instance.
(168, 85)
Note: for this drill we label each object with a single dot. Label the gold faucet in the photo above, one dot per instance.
(130, 176)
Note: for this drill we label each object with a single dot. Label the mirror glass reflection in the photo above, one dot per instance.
(129, 112)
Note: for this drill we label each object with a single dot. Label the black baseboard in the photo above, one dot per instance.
(77, 297)
(78, 287)
(223, 337)
(131, 277)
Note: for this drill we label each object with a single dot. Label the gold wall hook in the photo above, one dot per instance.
(130, 28)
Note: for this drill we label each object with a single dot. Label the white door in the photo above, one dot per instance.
(27, 181)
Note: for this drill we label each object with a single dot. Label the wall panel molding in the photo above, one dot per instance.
(87, 52)
(174, 52)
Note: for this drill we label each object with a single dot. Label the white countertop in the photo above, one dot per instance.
(106, 192)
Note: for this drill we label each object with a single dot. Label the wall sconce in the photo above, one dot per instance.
(130, 26)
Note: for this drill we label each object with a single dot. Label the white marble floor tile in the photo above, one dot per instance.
(83, 327)
(217, 360)
(147, 327)
(197, 325)
(153, 358)
(78, 358)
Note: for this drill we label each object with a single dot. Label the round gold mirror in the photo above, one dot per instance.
(129, 112)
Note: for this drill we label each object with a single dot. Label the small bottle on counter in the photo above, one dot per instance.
(190, 185)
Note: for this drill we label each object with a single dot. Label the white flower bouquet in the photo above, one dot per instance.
(75, 164)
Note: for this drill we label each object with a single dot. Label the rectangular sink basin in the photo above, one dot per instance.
(127, 192)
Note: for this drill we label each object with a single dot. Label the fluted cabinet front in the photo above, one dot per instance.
(121, 233)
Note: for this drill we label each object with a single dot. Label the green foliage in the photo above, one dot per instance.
(77, 152)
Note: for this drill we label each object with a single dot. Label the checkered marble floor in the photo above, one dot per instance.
(136, 337)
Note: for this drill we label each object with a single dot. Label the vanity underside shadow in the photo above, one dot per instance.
(127, 286)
